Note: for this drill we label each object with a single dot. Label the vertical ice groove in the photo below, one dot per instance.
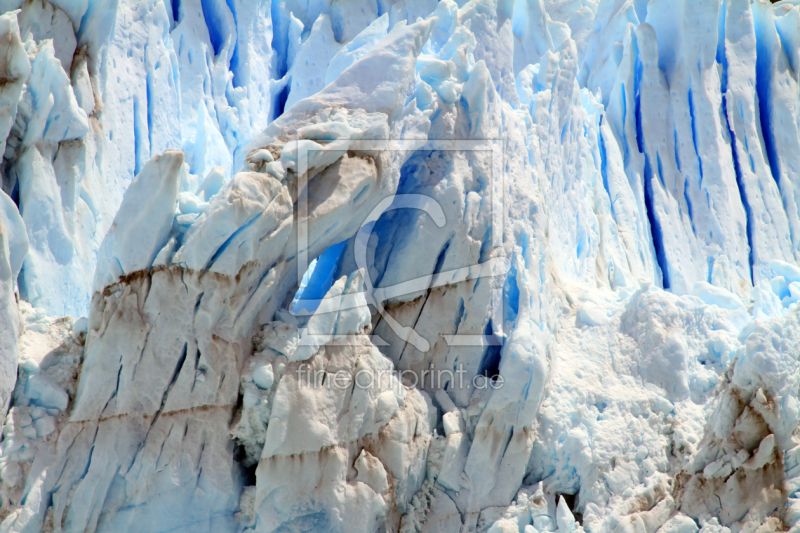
(742, 191)
(214, 17)
(765, 47)
(653, 217)
(692, 118)
(137, 137)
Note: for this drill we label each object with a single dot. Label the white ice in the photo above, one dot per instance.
(583, 212)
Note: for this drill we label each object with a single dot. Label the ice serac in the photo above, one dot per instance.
(15, 68)
(161, 410)
(150, 76)
(143, 222)
(343, 408)
(168, 328)
(369, 102)
(13, 247)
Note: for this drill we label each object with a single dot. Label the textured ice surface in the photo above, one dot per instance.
(584, 212)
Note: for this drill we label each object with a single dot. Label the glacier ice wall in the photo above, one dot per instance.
(582, 212)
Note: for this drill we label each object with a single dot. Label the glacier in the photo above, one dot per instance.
(400, 265)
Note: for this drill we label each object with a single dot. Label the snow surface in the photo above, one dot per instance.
(584, 211)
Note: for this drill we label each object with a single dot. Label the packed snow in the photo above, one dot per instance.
(482, 266)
